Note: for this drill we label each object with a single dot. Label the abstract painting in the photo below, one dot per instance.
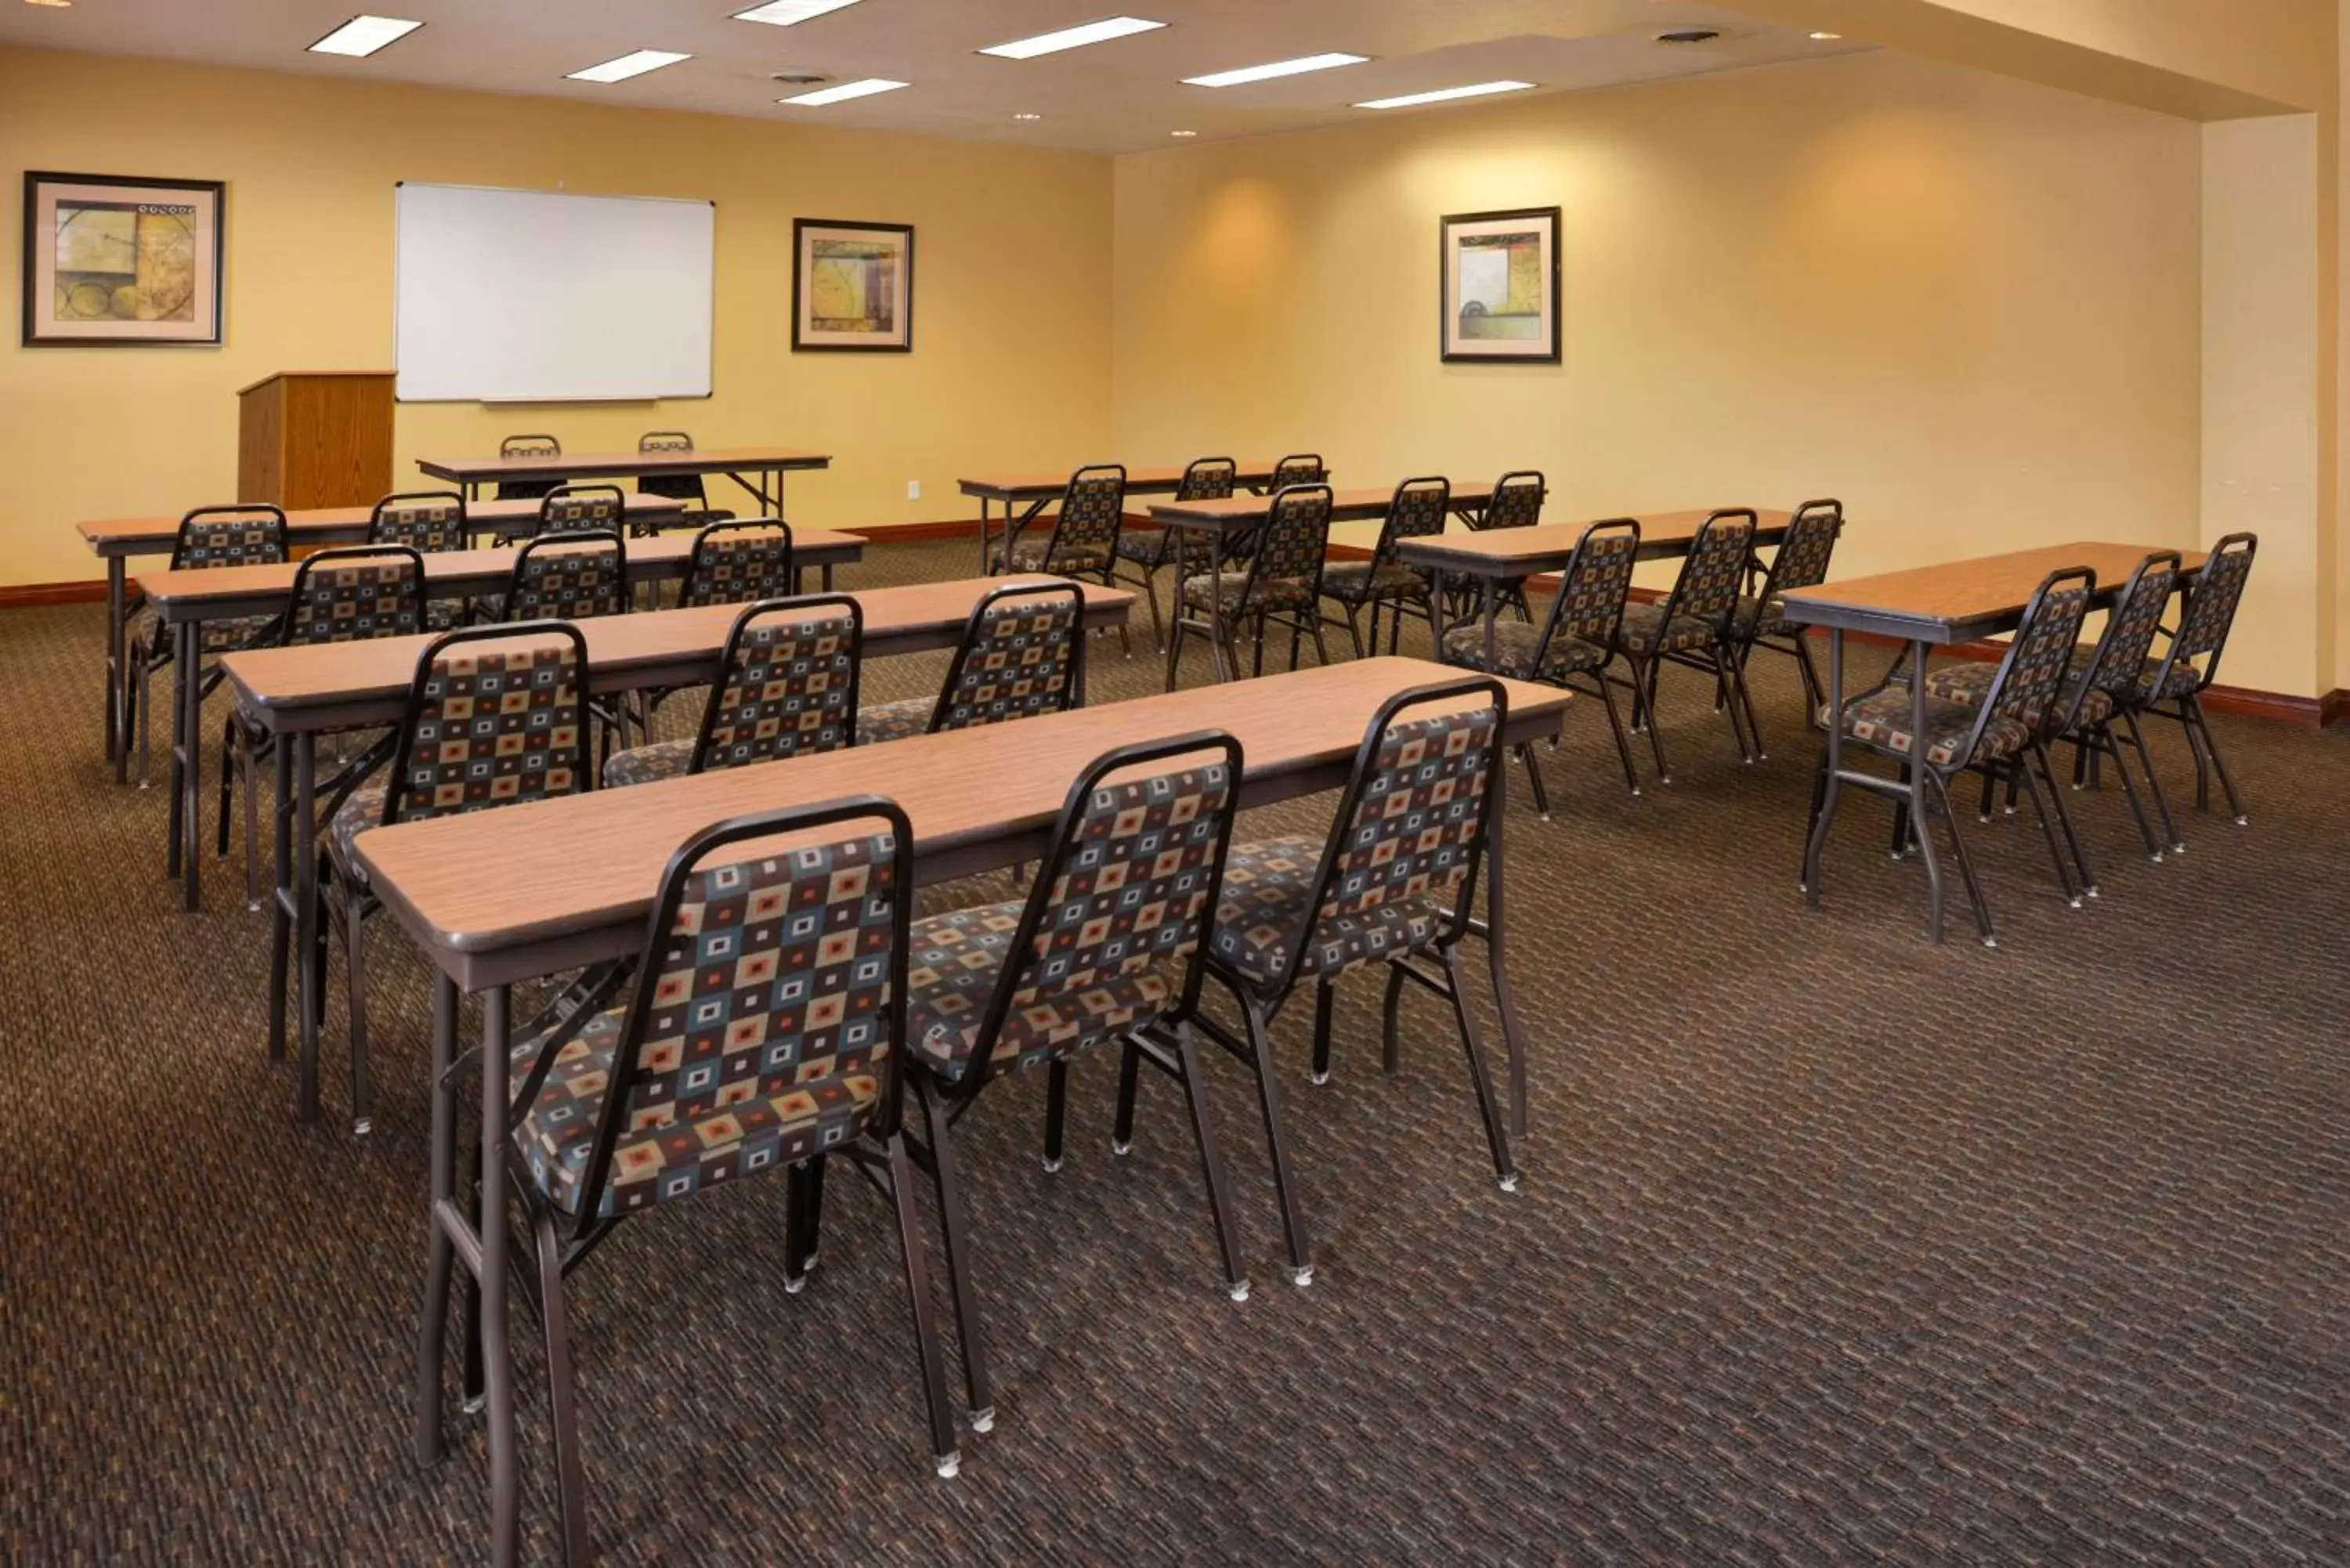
(1499, 280)
(852, 285)
(118, 261)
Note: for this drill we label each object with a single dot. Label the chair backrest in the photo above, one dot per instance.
(665, 440)
(1594, 587)
(1207, 479)
(1707, 589)
(530, 446)
(354, 593)
(1022, 653)
(569, 576)
(676, 487)
(2031, 673)
(786, 682)
(1418, 510)
(736, 562)
(1517, 500)
(1128, 888)
(1294, 541)
(582, 509)
(2211, 611)
(1803, 558)
(252, 534)
(427, 520)
(2118, 666)
(768, 1010)
(496, 715)
(1300, 468)
(1092, 508)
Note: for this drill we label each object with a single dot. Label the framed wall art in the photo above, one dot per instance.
(115, 261)
(1499, 279)
(852, 285)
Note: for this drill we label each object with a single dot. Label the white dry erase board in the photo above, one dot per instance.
(541, 297)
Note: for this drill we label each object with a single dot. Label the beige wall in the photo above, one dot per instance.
(1966, 305)
(1011, 319)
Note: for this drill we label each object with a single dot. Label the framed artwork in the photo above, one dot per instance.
(111, 261)
(852, 285)
(1499, 282)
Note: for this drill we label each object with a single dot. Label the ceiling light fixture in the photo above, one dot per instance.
(1277, 68)
(1027, 117)
(634, 64)
(1825, 38)
(1072, 38)
(785, 13)
(1443, 94)
(1183, 133)
(864, 88)
(56, 4)
(360, 36)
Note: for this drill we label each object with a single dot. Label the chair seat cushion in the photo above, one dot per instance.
(643, 764)
(362, 811)
(1644, 630)
(653, 1164)
(2185, 678)
(1030, 554)
(952, 965)
(1883, 719)
(1149, 545)
(894, 721)
(1262, 900)
(1968, 683)
(217, 636)
(1754, 618)
(1271, 593)
(1515, 644)
(1359, 582)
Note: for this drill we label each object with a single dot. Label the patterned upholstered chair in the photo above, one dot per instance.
(349, 594)
(1393, 883)
(786, 684)
(1576, 639)
(1418, 511)
(765, 1031)
(497, 715)
(1980, 736)
(429, 521)
(1149, 549)
(1022, 653)
(738, 563)
(690, 488)
(591, 508)
(1516, 502)
(1691, 627)
(242, 535)
(1761, 621)
(569, 577)
(1104, 948)
(1083, 541)
(527, 446)
(1281, 582)
(2174, 678)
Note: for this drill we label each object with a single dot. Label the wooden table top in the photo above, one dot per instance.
(621, 465)
(327, 685)
(501, 895)
(1041, 485)
(154, 536)
(1352, 505)
(1523, 552)
(211, 592)
(1958, 600)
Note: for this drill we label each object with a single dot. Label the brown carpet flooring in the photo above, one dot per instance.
(1832, 1247)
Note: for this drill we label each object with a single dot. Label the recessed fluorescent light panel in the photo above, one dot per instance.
(363, 36)
(784, 13)
(629, 64)
(1277, 68)
(1072, 38)
(844, 92)
(1443, 95)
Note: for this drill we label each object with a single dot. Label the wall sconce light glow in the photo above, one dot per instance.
(1277, 68)
(361, 36)
(784, 13)
(864, 88)
(634, 64)
(1072, 38)
(1825, 38)
(1443, 95)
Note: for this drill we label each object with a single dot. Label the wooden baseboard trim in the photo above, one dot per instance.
(891, 533)
(31, 596)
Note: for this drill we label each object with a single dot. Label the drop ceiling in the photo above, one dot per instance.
(1118, 97)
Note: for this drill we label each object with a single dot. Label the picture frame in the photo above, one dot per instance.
(119, 262)
(1498, 286)
(852, 286)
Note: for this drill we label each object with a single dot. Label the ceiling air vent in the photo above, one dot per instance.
(800, 79)
(1689, 36)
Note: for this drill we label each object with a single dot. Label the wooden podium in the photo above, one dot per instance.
(315, 438)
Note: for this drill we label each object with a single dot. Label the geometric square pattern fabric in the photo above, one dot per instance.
(351, 603)
(1711, 577)
(1883, 719)
(1297, 471)
(2211, 602)
(2184, 680)
(1263, 907)
(954, 965)
(895, 721)
(1644, 630)
(738, 568)
(1260, 592)
(2130, 630)
(494, 728)
(1033, 554)
(1294, 540)
(645, 765)
(206, 542)
(1084, 535)
(787, 690)
(764, 1041)
(1017, 663)
(2041, 655)
(362, 811)
(572, 584)
(1970, 682)
(576, 514)
(426, 526)
(1517, 503)
(1803, 558)
(1516, 648)
(1363, 582)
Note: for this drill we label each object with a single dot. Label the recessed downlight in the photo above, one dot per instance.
(786, 13)
(1444, 95)
(1100, 32)
(864, 87)
(636, 63)
(1825, 38)
(1183, 133)
(360, 36)
(1297, 66)
(1027, 117)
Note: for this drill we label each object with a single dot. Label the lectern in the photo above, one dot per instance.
(315, 438)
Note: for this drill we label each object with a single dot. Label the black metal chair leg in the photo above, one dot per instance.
(1746, 699)
(2104, 737)
(227, 787)
(355, 988)
(2194, 705)
(958, 1273)
(1212, 1161)
(1505, 1171)
(1648, 708)
(1129, 1072)
(2154, 782)
(2047, 830)
(1323, 992)
(570, 1480)
(1056, 1111)
(1902, 827)
(943, 1453)
(1814, 693)
(1284, 1182)
(1989, 783)
(1390, 1035)
(803, 1222)
(2064, 820)
(248, 759)
(2202, 764)
(1355, 630)
(1616, 726)
(1966, 862)
(1534, 779)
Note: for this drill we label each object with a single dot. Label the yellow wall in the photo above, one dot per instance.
(1012, 281)
(1969, 306)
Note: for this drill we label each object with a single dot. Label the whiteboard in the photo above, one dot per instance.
(540, 297)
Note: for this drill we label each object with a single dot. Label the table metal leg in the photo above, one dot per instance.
(433, 1332)
(1918, 798)
(1491, 605)
(827, 576)
(118, 739)
(1510, 1037)
(310, 989)
(1832, 787)
(281, 900)
(1216, 603)
(180, 855)
(497, 1364)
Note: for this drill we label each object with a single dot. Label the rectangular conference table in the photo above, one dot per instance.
(186, 600)
(297, 694)
(118, 539)
(504, 896)
(1038, 490)
(1926, 608)
(767, 462)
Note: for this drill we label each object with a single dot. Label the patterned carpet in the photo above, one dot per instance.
(1832, 1247)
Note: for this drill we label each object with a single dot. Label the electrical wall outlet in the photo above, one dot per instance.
(913, 490)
